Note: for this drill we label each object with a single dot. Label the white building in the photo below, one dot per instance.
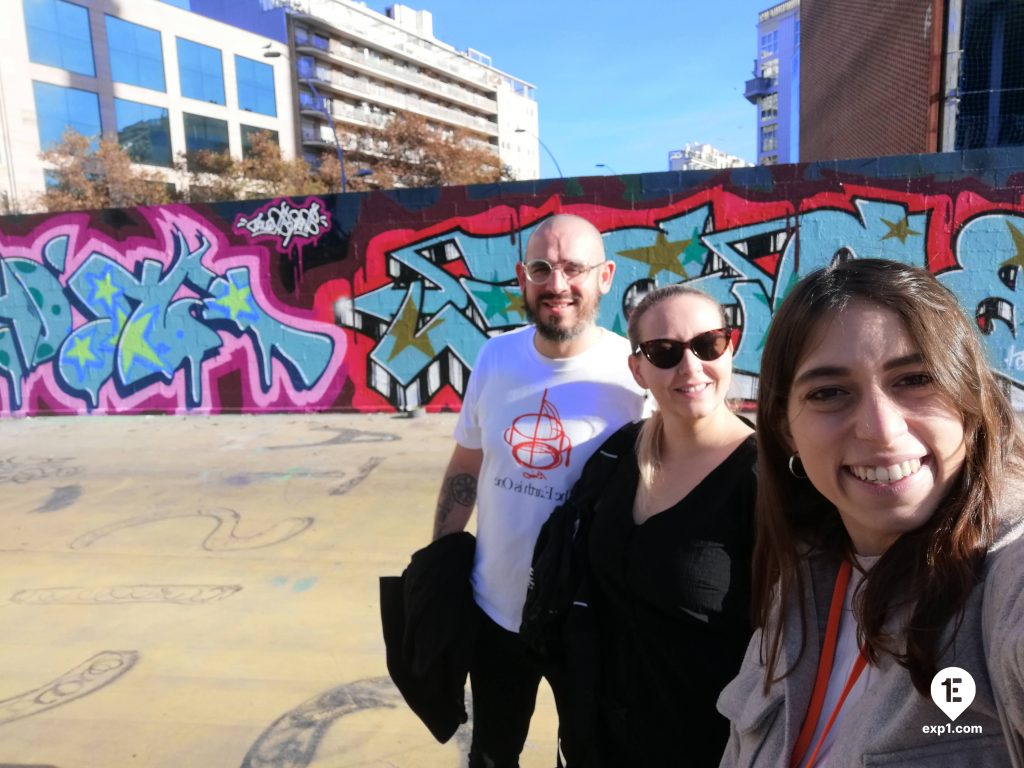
(161, 80)
(362, 66)
(702, 157)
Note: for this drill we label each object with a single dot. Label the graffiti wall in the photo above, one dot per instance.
(382, 300)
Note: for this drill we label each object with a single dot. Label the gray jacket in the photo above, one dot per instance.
(886, 725)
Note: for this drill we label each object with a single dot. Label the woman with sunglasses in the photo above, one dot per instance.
(889, 596)
(669, 545)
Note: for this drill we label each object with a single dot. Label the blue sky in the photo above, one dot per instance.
(621, 83)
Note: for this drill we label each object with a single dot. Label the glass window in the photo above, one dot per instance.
(144, 131)
(58, 108)
(58, 35)
(308, 101)
(770, 69)
(204, 133)
(768, 138)
(770, 106)
(136, 56)
(770, 44)
(255, 86)
(309, 130)
(248, 131)
(306, 66)
(202, 76)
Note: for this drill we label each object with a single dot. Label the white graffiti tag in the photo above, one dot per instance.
(284, 221)
(1014, 360)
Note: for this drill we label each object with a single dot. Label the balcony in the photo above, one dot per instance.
(349, 86)
(312, 44)
(757, 88)
(310, 104)
(359, 115)
(371, 28)
(383, 67)
(312, 140)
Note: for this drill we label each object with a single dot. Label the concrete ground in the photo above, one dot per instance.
(202, 591)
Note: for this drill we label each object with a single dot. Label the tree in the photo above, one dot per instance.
(409, 151)
(86, 174)
(263, 172)
(100, 175)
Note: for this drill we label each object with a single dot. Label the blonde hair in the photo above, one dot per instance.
(648, 441)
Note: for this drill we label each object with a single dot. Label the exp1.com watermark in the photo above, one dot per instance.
(952, 691)
(938, 730)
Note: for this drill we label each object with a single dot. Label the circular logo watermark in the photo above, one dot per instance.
(953, 691)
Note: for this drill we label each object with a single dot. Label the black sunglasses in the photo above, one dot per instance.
(666, 353)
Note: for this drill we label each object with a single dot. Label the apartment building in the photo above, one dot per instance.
(775, 87)
(354, 67)
(702, 157)
(159, 79)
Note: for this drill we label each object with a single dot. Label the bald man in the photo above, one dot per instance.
(539, 402)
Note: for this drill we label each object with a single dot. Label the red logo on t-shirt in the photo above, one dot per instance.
(538, 439)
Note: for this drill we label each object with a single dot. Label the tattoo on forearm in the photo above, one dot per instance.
(463, 489)
(457, 489)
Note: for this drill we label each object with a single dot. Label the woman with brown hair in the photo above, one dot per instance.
(669, 545)
(889, 522)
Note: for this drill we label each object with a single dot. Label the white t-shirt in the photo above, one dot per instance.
(847, 651)
(537, 420)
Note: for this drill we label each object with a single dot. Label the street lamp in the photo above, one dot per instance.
(322, 103)
(606, 167)
(322, 107)
(523, 130)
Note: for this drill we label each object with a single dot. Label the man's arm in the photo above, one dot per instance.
(458, 491)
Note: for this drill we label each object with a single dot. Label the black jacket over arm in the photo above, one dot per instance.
(430, 621)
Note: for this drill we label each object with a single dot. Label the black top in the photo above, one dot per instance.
(672, 601)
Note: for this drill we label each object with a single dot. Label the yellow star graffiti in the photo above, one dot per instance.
(236, 300)
(81, 352)
(663, 255)
(404, 332)
(1018, 244)
(105, 289)
(899, 229)
(515, 303)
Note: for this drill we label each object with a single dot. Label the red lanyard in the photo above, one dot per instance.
(828, 653)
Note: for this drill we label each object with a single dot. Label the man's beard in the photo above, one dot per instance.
(586, 316)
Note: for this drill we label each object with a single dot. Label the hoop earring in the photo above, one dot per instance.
(792, 470)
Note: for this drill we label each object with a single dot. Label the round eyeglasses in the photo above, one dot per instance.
(667, 353)
(539, 271)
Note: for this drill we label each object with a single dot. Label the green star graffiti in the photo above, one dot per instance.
(235, 300)
(133, 344)
(81, 351)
